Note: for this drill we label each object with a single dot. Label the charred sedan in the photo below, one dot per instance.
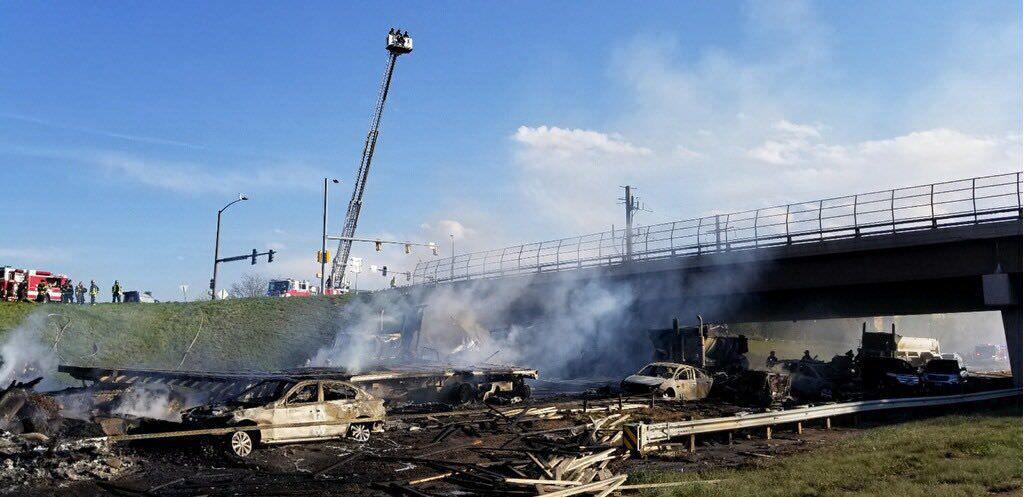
(292, 411)
(670, 380)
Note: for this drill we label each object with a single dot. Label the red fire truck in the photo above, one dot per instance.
(291, 288)
(21, 284)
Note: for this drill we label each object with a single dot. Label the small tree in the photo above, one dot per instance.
(251, 285)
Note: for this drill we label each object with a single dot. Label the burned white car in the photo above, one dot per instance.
(670, 380)
(292, 411)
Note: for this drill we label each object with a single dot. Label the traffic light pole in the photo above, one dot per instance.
(323, 244)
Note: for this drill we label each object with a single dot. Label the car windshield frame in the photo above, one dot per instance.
(658, 371)
(261, 393)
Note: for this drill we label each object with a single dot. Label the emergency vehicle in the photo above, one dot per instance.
(291, 288)
(18, 284)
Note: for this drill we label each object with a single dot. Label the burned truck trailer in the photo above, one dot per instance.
(409, 383)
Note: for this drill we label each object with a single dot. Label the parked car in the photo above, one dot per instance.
(137, 296)
(323, 409)
(943, 376)
(670, 380)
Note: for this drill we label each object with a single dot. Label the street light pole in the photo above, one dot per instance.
(216, 247)
(323, 240)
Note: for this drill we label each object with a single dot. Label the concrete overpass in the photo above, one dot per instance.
(940, 248)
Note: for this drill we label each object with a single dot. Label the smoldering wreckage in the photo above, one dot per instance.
(391, 404)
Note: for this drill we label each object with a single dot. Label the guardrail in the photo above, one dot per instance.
(638, 437)
(938, 205)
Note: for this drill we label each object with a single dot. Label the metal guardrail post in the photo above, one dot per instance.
(856, 224)
(789, 239)
(821, 229)
(726, 229)
(974, 199)
(700, 223)
(718, 233)
(519, 259)
(501, 261)
(1020, 211)
(757, 213)
(579, 256)
(672, 239)
(892, 209)
(558, 253)
(931, 202)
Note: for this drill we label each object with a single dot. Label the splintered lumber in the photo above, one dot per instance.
(531, 481)
(607, 486)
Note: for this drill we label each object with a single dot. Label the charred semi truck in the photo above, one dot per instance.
(713, 349)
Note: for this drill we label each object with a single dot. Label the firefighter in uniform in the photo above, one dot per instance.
(80, 293)
(67, 292)
(94, 291)
(42, 292)
(115, 292)
(772, 359)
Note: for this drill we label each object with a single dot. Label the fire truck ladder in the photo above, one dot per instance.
(398, 43)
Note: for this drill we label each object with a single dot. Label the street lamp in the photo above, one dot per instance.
(216, 246)
(323, 239)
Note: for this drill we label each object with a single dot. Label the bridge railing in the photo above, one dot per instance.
(934, 206)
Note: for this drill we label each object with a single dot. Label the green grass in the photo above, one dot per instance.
(237, 334)
(948, 456)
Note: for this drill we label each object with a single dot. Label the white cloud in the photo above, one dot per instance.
(572, 142)
(187, 177)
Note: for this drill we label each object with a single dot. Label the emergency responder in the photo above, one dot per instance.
(772, 360)
(42, 292)
(67, 292)
(115, 292)
(80, 293)
(807, 356)
(22, 291)
(94, 291)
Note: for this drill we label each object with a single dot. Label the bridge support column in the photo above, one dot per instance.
(1012, 328)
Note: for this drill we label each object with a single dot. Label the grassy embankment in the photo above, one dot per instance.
(235, 334)
(955, 455)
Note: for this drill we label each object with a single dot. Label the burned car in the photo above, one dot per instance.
(889, 375)
(818, 380)
(293, 411)
(943, 376)
(670, 380)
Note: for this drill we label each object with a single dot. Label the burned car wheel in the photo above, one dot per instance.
(669, 394)
(241, 443)
(360, 433)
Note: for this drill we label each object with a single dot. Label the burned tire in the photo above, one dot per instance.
(669, 394)
(359, 432)
(464, 394)
(242, 443)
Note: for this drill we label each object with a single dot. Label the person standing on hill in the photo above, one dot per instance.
(94, 291)
(80, 293)
(42, 292)
(115, 292)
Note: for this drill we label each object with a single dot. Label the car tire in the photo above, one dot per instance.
(359, 432)
(242, 443)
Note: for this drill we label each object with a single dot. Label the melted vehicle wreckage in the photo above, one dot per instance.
(706, 360)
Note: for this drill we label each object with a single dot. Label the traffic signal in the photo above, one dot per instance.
(253, 257)
(378, 244)
(384, 271)
(211, 283)
(408, 248)
(270, 256)
(319, 256)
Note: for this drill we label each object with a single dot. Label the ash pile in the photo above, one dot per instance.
(36, 442)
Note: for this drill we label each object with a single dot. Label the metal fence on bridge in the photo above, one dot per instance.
(935, 206)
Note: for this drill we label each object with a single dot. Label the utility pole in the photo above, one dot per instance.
(452, 237)
(632, 204)
(323, 240)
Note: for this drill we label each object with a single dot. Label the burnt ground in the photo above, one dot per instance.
(180, 467)
(202, 467)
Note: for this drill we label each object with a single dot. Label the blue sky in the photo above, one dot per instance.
(510, 122)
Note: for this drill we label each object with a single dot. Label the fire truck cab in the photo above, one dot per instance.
(291, 288)
(21, 284)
